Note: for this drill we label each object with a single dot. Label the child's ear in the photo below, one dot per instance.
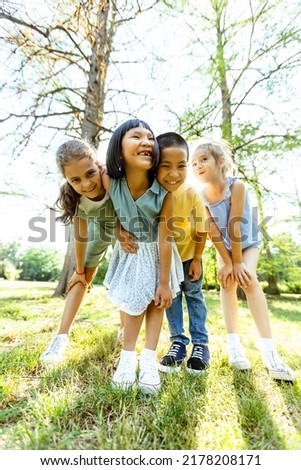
(222, 162)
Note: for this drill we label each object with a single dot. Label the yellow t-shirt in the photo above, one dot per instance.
(189, 217)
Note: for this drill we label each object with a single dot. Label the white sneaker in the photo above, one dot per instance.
(125, 374)
(56, 349)
(237, 358)
(149, 378)
(278, 370)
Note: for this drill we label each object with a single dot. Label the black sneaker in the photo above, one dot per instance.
(199, 360)
(172, 361)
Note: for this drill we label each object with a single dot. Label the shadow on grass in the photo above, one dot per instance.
(256, 422)
(291, 393)
(177, 419)
(284, 315)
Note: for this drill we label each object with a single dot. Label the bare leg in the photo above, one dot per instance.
(125, 374)
(256, 299)
(73, 301)
(56, 349)
(229, 303)
(149, 379)
(153, 324)
(132, 326)
(228, 295)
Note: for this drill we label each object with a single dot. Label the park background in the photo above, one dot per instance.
(210, 67)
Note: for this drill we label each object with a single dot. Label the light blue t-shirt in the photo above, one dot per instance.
(250, 233)
(140, 216)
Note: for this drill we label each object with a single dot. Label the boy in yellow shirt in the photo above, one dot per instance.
(189, 217)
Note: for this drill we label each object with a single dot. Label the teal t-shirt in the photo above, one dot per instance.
(140, 216)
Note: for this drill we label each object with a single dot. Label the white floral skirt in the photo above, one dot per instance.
(132, 279)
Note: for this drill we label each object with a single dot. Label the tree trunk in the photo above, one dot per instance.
(226, 124)
(95, 94)
(273, 288)
(94, 107)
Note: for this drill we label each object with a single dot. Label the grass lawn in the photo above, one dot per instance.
(73, 407)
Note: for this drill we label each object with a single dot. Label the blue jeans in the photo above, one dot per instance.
(197, 311)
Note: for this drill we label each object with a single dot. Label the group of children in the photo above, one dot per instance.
(141, 204)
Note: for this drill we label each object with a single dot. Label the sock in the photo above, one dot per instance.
(129, 355)
(148, 354)
(266, 344)
(236, 352)
(267, 347)
(233, 340)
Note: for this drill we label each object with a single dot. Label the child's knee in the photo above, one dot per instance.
(254, 285)
(231, 287)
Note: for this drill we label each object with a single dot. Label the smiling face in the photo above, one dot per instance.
(172, 169)
(84, 177)
(137, 149)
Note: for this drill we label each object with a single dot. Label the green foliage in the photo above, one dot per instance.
(8, 270)
(286, 262)
(210, 268)
(41, 264)
(9, 259)
(101, 272)
(10, 251)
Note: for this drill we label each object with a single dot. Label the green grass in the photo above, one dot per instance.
(73, 407)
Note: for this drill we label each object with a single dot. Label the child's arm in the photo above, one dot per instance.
(80, 244)
(241, 273)
(195, 269)
(225, 273)
(163, 297)
(126, 239)
(198, 213)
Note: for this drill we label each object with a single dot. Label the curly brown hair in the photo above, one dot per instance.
(74, 149)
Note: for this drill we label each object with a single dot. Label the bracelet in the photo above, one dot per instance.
(79, 273)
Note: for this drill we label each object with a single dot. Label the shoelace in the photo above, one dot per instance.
(126, 368)
(197, 352)
(150, 374)
(151, 368)
(174, 350)
(237, 353)
(55, 346)
(275, 363)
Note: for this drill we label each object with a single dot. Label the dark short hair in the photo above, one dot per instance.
(172, 139)
(114, 161)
